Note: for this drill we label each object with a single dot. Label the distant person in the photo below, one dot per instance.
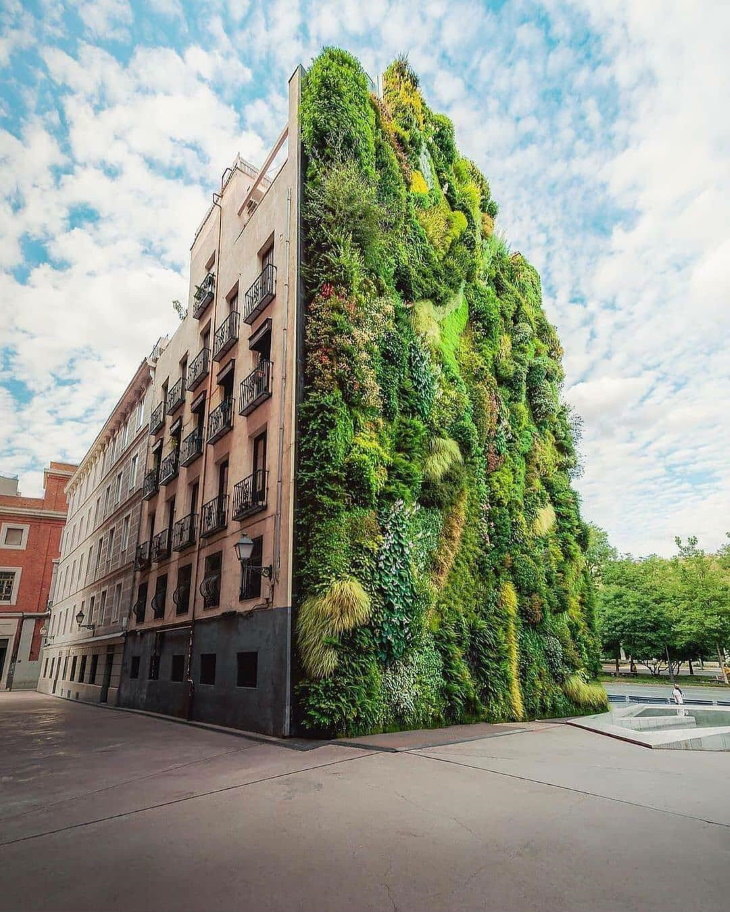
(678, 698)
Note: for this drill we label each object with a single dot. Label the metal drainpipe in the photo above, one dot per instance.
(282, 399)
(201, 494)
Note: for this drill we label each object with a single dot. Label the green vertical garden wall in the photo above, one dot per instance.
(441, 571)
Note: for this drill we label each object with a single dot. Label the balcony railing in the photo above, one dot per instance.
(183, 532)
(220, 420)
(181, 598)
(256, 387)
(157, 418)
(138, 609)
(151, 483)
(225, 336)
(203, 295)
(249, 495)
(176, 396)
(210, 589)
(158, 604)
(161, 546)
(214, 515)
(142, 556)
(169, 467)
(191, 447)
(198, 368)
(260, 294)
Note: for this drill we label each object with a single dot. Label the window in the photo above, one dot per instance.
(160, 596)
(125, 534)
(110, 548)
(12, 536)
(102, 607)
(210, 588)
(177, 672)
(92, 603)
(248, 669)
(134, 668)
(116, 604)
(53, 665)
(207, 668)
(267, 257)
(9, 586)
(45, 669)
(118, 488)
(92, 670)
(250, 579)
(65, 668)
(154, 672)
(133, 472)
(98, 555)
(107, 499)
(82, 670)
(73, 669)
(182, 591)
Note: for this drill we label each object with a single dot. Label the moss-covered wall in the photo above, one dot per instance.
(441, 561)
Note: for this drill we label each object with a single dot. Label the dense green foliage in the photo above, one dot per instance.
(662, 611)
(435, 456)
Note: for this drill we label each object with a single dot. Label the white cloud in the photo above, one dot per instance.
(601, 130)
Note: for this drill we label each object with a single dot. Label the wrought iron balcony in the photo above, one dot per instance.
(198, 368)
(157, 418)
(203, 295)
(158, 604)
(214, 515)
(220, 420)
(226, 335)
(138, 609)
(183, 532)
(151, 483)
(176, 397)
(249, 495)
(161, 546)
(210, 589)
(142, 556)
(181, 598)
(191, 447)
(256, 387)
(260, 294)
(169, 467)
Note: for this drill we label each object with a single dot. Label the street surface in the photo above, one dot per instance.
(111, 810)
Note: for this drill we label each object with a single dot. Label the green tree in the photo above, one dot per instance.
(702, 592)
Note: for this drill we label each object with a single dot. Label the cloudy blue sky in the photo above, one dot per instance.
(604, 131)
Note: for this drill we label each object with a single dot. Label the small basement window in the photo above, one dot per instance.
(248, 669)
(177, 672)
(134, 669)
(207, 668)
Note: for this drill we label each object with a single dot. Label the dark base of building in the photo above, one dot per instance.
(240, 671)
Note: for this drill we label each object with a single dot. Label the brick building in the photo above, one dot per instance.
(82, 657)
(30, 539)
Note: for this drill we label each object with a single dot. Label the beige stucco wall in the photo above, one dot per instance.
(234, 245)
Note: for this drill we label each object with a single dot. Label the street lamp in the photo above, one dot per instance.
(80, 621)
(244, 550)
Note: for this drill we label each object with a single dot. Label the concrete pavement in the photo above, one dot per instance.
(110, 810)
(664, 689)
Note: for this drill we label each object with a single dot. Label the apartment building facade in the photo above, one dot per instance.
(210, 632)
(30, 539)
(84, 642)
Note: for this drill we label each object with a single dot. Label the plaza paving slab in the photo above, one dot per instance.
(110, 810)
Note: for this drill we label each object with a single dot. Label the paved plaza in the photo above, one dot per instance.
(104, 809)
